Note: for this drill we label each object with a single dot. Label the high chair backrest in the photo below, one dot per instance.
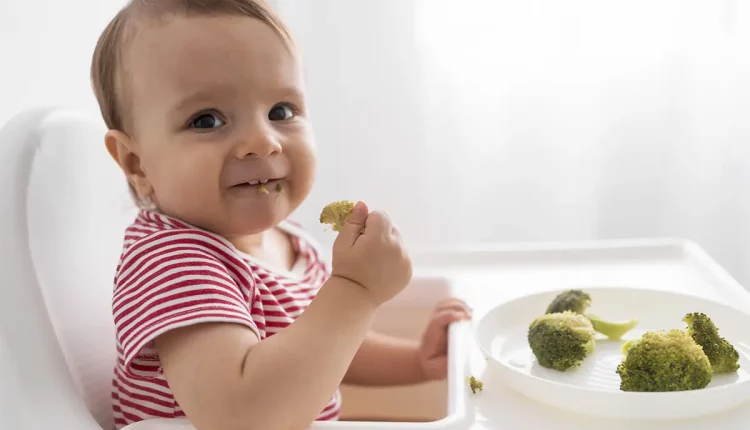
(65, 206)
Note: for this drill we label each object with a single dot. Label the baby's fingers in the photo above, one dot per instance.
(378, 224)
(455, 305)
(436, 335)
(352, 229)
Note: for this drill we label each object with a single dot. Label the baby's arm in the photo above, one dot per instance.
(224, 378)
(385, 361)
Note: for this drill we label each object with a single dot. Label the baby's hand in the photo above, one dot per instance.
(369, 251)
(433, 352)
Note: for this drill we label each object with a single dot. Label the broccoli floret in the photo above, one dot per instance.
(336, 213)
(562, 340)
(722, 355)
(475, 384)
(578, 301)
(627, 345)
(572, 300)
(664, 361)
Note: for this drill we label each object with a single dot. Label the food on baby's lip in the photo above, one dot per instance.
(722, 355)
(262, 189)
(475, 384)
(561, 340)
(579, 301)
(279, 187)
(664, 361)
(336, 213)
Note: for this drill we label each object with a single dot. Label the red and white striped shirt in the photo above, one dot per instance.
(173, 275)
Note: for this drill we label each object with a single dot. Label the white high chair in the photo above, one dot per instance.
(64, 211)
(65, 207)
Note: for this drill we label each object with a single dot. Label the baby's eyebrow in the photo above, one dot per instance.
(215, 92)
(203, 95)
(293, 92)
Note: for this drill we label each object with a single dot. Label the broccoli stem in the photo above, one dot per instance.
(613, 330)
(590, 345)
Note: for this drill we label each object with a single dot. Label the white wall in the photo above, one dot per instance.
(493, 121)
(46, 52)
(537, 120)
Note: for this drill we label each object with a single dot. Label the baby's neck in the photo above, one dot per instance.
(272, 246)
(251, 244)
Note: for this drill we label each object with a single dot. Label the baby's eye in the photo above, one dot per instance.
(281, 112)
(206, 121)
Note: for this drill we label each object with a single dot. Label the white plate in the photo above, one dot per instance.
(593, 388)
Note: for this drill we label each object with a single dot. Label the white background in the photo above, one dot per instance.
(479, 121)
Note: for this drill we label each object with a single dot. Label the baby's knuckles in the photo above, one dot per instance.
(388, 270)
(377, 261)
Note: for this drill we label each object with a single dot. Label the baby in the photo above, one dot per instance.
(225, 311)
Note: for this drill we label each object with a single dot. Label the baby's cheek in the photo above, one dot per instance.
(184, 185)
(304, 166)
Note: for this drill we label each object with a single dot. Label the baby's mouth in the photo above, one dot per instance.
(262, 186)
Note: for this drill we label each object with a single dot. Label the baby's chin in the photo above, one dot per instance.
(256, 215)
(238, 212)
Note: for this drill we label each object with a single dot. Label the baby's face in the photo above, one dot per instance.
(218, 104)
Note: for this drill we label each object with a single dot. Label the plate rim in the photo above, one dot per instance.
(488, 356)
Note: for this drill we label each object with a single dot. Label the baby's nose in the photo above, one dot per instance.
(260, 143)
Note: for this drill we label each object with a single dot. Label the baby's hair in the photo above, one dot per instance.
(108, 76)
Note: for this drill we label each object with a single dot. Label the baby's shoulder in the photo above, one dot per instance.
(155, 237)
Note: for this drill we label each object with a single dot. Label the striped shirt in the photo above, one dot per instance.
(174, 275)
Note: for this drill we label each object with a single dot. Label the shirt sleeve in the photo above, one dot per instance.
(174, 279)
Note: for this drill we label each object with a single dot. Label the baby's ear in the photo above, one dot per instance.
(123, 150)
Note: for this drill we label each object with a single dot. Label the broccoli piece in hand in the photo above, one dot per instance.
(336, 213)
(561, 341)
(664, 361)
(722, 355)
(578, 301)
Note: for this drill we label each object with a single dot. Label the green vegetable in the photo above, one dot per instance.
(722, 355)
(578, 301)
(627, 345)
(336, 213)
(664, 361)
(614, 331)
(562, 340)
(572, 300)
(475, 384)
